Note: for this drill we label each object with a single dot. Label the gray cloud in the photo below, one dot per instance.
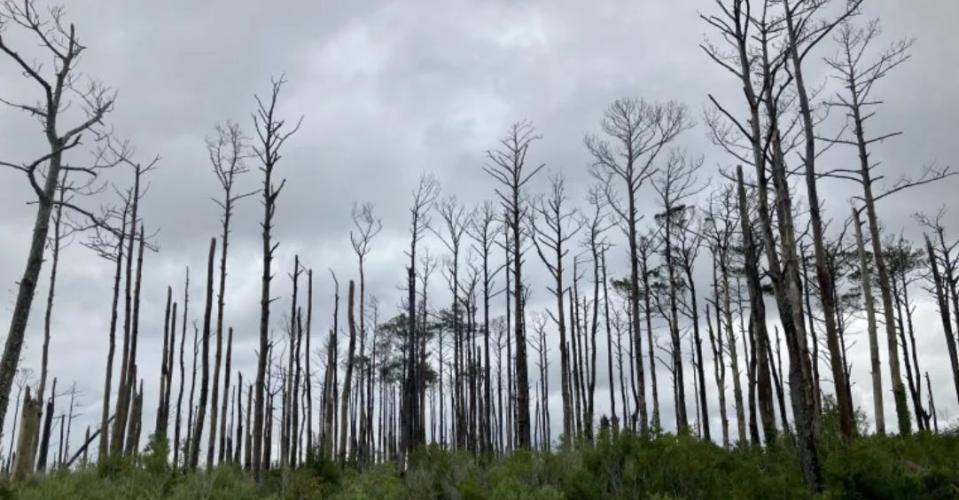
(389, 90)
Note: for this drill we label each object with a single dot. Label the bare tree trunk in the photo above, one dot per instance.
(944, 313)
(179, 397)
(932, 406)
(550, 239)
(136, 421)
(55, 243)
(44, 442)
(224, 437)
(506, 165)
(238, 447)
(108, 378)
(205, 364)
(272, 135)
(609, 349)
(26, 445)
(698, 344)
(875, 367)
(64, 50)
(329, 384)
(123, 389)
(309, 374)
(348, 377)
(248, 448)
(757, 318)
(191, 408)
(799, 45)
(164, 372)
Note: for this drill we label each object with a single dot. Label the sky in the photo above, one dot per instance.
(387, 91)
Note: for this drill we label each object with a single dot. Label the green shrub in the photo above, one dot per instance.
(624, 466)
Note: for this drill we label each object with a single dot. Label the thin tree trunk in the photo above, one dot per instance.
(108, 378)
(224, 437)
(205, 364)
(875, 367)
(348, 377)
(179, 397)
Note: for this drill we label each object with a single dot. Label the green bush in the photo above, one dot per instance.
(625, 466)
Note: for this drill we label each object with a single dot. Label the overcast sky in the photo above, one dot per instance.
(389, 90)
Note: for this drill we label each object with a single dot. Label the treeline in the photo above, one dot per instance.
(455, 369)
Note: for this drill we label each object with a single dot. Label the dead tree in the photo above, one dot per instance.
(131, 323)
(675, 185)
(163, 365)
(539, 344)
(288, 387)
(636, 133)
(507, 165)
(191, 408)
(169, 370)
(412, 431)
(804, 32)
(609, 343)
(60, 232)
(224, 436)
(859, 77)
(367, 226)
(227, 152)
(759, 335)
(59, 41)
(719, 363)
(944, 287)
(310, 450)
(131, 314)
(455, 220)
(752, 56)
(482, 230)
(865, 274)
(179, 397)
(136, 421)
(348, 375)
(721, 221)
(645, 249)
(271, 134)
(26, 444)
(596, 244)
(241, 430)
(903, 260)
(113, 252)
(43, 446)
(204, 364)
(553, 225)
(329, 381)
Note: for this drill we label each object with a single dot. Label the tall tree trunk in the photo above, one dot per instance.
(164, 371)
(179, 397)
(123, 389)
(809, 156)
(309, 374)
(869, 301)
(224, 437)
(348, 376)
(108, 378)
(205, 364)
(757, 318)
(944, 314)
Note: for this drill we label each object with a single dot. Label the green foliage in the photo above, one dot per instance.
(923, 466)
(621, 466)
(379, 482)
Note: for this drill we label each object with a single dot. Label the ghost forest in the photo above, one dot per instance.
(725, 320)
